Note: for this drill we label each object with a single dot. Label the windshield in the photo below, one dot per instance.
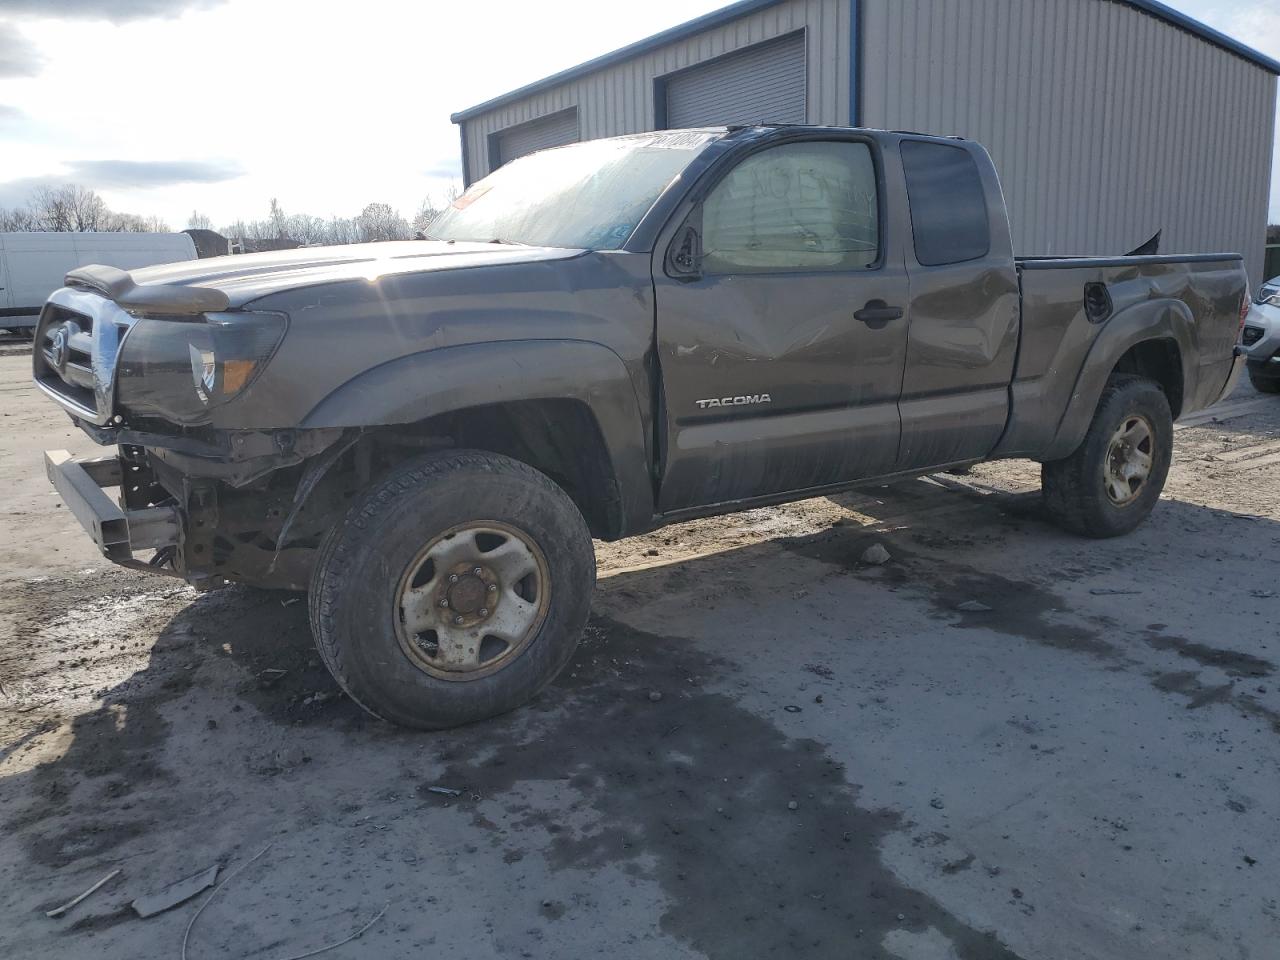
(586, 195)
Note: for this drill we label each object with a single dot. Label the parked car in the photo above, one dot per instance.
(1261, 337)
(32, 265)
(601, 339)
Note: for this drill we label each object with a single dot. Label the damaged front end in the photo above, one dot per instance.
(232, 512)
(145, 370)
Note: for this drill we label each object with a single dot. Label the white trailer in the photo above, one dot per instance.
(32, 265)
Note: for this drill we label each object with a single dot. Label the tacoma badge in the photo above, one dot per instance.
(735, 401)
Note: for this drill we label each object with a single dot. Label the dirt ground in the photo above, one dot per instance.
(840, 764)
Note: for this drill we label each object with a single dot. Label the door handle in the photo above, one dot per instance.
(877, 312)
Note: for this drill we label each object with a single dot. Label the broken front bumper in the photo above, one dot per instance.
(117, 531)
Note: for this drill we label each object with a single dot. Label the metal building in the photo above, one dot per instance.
(1107, 119)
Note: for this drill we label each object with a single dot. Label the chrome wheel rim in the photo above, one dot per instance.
(1129, 459)
(471, 600)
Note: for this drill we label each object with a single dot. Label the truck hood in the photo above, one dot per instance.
(246, 277)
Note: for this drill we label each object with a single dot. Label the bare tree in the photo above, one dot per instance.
(73, 208)
(341, 230)
(68, 208)
(277, 222)
(306, 229)
(199, 221)
(379, 221)
(18, 220)
(428, 210)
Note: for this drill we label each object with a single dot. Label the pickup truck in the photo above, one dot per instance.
(594, 341)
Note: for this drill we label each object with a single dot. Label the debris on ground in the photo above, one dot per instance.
(176, 893)
(445, 791)
(289, 602)
(59, 911)
(974, 606)
(791, 708)
(186, 936)
(655, 696)
(792, 805)
(1112, 592)
(269, 677)
(875, 554)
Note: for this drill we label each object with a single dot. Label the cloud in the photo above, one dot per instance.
(17, 193)
(18, 58)
(13, 122)
(141, 174)
(119, 175)
(445, 167)
(117, 11)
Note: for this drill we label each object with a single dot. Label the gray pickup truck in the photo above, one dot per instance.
(595, 341)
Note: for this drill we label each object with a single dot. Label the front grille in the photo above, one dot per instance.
(77, 340)
(1251, 335)
(66, 344)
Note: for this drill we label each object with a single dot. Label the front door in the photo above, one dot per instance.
(782, 354)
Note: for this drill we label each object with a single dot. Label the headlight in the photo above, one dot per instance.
(179, 368)
(1269, 295)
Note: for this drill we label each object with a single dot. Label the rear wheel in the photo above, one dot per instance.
(453, 591)
(1113, 480)
(1264, 384)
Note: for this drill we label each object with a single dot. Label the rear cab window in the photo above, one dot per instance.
(947, 202)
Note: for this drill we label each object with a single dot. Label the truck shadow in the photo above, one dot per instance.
(691, 792)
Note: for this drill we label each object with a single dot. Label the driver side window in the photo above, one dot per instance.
(796, 207)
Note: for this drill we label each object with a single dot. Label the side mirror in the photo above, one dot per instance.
(684, 256)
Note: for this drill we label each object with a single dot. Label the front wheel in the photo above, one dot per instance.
(1112, 481)
(454, 590)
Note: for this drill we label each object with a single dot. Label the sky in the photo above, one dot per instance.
(170, 106)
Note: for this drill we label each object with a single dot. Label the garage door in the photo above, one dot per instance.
(765, 82)
(553, 131)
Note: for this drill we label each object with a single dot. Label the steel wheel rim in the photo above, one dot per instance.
(1129, 459)
(471, 600)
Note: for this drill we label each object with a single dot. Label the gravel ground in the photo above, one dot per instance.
(764, 748)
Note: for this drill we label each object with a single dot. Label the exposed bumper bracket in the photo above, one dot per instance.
(117, 532)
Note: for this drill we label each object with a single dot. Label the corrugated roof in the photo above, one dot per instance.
(740, 9)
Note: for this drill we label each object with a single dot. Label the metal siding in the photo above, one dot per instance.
(1105, 122)
(553, 131)
(618, 98)
(763, 83)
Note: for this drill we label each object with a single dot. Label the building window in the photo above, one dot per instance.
(796, 207)
(948, 205)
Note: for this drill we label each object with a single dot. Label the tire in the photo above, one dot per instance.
(1079, 492)
(1264, 384)
(383, 571)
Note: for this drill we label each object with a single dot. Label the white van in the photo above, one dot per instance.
(32, 265)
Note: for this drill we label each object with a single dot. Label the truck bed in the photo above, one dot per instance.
(1075, 307)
